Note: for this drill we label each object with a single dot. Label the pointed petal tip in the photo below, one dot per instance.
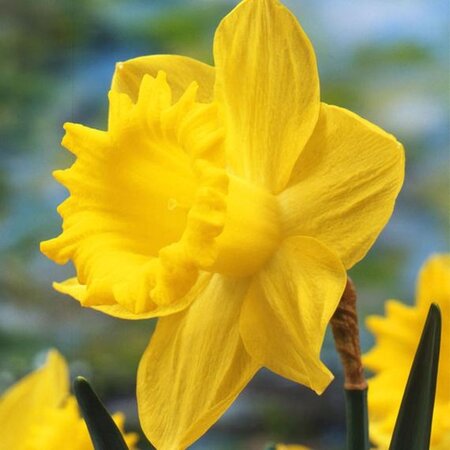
(322, 384)
(61, 176)
(72, 128)
(51, 248)
(46, 247)
(54, 356)
(70, 125)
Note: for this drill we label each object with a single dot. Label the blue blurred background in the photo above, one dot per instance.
(387, 61)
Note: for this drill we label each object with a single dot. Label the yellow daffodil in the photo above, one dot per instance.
(38, 413)
(229, 201)
(397, 337)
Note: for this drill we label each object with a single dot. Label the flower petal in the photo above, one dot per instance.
(22, 405)
(268, 86)
(194, 367)
(78, 291)
(434, 285)
(181, 72)
(397, 338)
(344, 184)
(286, 313)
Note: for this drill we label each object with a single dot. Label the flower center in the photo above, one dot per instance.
(232, 228)
(251, 231)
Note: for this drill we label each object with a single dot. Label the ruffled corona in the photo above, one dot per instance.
(135, 224)
(149, 202)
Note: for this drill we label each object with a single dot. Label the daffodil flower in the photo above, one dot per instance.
(397, 337)
(38, 413)
(229, 201)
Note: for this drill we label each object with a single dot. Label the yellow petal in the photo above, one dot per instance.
(194, 367)
(181, 72)
(21, 406)
(395, 341)
(286, 313)
(76, 290)
(131, 439)
(344, 184)
(433, 285)
(267, 84)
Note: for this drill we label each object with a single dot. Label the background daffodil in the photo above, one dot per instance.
(397, 337)
(229, 201)
(38, 412)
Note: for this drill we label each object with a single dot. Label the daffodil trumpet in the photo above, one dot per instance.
(228, 201)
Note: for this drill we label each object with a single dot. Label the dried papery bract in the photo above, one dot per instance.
(344, 324)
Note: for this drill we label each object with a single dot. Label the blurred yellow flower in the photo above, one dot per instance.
(229, 201)
(38, 413)
(397, 338)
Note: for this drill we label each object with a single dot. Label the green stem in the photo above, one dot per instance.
(357, 419)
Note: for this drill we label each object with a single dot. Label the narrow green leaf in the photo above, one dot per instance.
(104, 433)
(413, 427)
(357, 419)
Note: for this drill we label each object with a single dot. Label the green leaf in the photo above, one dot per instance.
(413, 427)
(104, 433)
(357, 419)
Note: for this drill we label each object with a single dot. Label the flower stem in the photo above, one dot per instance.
(344, 324)
(357, 419)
